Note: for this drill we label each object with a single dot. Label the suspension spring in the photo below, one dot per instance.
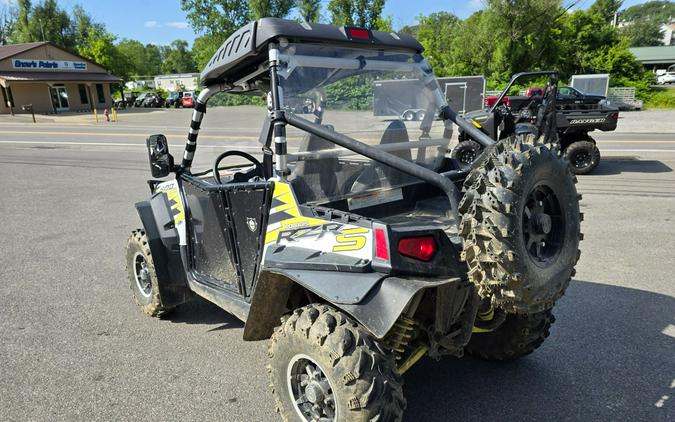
(399, 336)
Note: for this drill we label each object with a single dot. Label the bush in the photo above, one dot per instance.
(661, 98)
(223, 99)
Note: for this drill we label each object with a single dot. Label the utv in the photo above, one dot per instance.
(573, 122)
(356, 258)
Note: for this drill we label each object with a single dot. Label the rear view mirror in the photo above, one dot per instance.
(161, 162)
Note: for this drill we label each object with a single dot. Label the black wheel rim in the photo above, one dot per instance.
(543, 225)
(582, 159)
(310, 390)
(142, 274)
(467, 156)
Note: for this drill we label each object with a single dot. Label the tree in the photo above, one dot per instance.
(8, 21)
(216, 17)
(606, 9)
(270, 8)
(179, 59)
(642, 33)
(660, 11)
(83, 24)
(100, 48)
(436, 32)
(309, 10)
(48, 22)
(361, 13)
(204, 47)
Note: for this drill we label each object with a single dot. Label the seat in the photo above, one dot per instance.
(396, 132)
(315, 178)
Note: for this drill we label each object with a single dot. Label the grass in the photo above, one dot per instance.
(660, 98)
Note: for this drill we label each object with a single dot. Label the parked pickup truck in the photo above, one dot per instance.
(568, 98)
(578, 114)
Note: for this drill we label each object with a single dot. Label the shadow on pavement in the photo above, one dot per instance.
(201, 311)
(608, 358)
(609, 166)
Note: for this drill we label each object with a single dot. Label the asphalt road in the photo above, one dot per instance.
(74, 347)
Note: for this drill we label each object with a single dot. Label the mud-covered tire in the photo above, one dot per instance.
(466, 152)
(517, 275)
(363, 379)
(517, 336)
(583, 156)
(145, 288)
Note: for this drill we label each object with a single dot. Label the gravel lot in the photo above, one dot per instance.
(74, 347)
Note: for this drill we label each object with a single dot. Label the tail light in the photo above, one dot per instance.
(422, 248)
(357, 33)
(614, 116)
(381, 244)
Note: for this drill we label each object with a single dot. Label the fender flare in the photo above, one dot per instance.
(377, 310)
(163, 242)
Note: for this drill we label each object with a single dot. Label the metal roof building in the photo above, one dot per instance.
(655, 57)
(51, 79)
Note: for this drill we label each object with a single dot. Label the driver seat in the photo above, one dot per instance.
(317, 177)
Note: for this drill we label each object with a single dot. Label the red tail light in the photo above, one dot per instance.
(422, 248)
(381, 244)
(358, 33)
(614, 116)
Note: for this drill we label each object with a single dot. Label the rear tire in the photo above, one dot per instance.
(584, 156)
(517, 336)
(347, 376)
(142, 275)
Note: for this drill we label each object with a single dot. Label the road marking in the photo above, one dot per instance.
(26, 132)
(637, 150)
(118, 144)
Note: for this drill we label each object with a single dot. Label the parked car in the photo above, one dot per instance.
(153, 100)
(188, 99)
(174, 99)
(138, 102)
(666, 78)
(127, 100)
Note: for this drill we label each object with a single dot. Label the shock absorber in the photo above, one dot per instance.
(398, 338)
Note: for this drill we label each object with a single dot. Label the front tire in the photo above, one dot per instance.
(324, 366)
(517, 336)
(142, 275)
(584, 156)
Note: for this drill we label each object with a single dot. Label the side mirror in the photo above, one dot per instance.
(161, 162)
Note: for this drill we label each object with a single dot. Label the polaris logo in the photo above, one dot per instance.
(587, 121)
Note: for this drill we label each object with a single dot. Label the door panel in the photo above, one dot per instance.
(249, 217)
(210, 238)
(226, 226)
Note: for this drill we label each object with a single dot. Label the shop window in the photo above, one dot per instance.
(99, 93)
(83, 94)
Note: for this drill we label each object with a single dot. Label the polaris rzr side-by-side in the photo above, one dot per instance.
(354, 244)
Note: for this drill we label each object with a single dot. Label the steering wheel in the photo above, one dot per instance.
(258, 170)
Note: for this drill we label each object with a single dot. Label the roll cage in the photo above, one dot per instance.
(251, 61)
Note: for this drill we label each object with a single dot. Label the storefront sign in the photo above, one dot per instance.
(33, 64)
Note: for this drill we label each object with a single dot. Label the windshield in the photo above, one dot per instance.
(389, 100)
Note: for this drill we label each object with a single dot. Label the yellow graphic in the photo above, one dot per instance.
(475, 123)
(284, 194)
(172, 195)
(351, 239)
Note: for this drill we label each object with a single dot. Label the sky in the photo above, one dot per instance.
(162, 21)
